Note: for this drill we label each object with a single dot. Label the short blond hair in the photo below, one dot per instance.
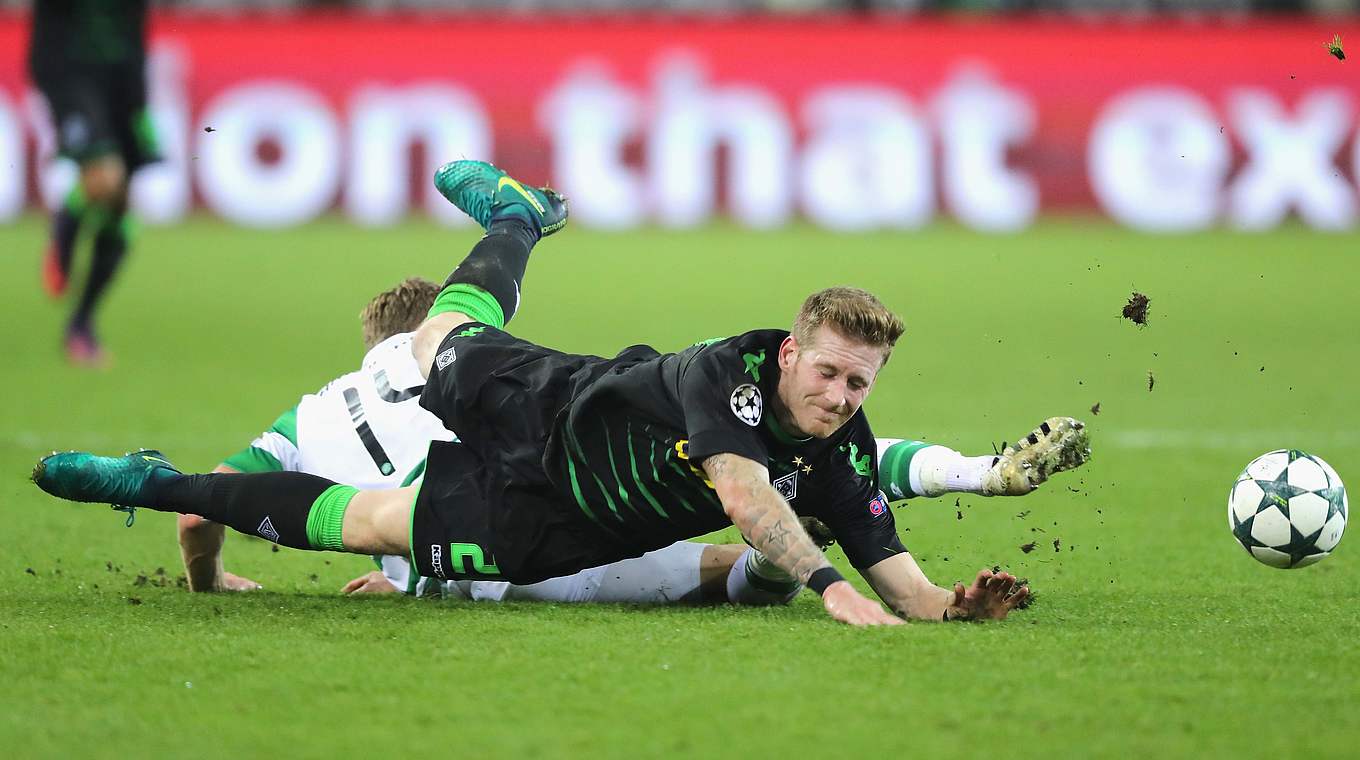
(852, 312)
(398, 310)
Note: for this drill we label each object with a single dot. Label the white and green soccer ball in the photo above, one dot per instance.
(1287, 509)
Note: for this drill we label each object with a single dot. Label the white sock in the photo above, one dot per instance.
(937, 470)
(757, 581)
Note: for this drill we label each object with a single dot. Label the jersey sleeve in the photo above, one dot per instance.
(857, 510)
(275, 450)
(723, 405)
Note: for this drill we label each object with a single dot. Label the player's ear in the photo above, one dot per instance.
(788, 353)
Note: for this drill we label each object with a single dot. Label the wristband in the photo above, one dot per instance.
(822, 578)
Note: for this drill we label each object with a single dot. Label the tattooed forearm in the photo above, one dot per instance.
(778, 535)
(772, 528)
(762, 515)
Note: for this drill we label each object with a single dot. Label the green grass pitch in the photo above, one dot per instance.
(1153, 633)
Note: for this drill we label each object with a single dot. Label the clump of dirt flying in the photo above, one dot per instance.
(1151, 381)
(1095, 409)
(1136, 310)
(1029, 547)
(1334, 47)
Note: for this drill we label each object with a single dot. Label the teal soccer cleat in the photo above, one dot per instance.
(120, 481)
(485, 193)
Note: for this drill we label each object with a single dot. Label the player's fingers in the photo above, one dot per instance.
(233, 582)
(354, 585)
(1007, 585)
(1017, 598)
(995, 584)
(887, 618)
(874, 615)
(982, 577)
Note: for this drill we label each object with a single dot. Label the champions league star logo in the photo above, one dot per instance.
(746, 404)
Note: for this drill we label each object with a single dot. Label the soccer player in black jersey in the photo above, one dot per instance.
(571, 461)
(88, 57)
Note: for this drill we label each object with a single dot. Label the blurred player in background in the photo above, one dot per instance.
(88, 57)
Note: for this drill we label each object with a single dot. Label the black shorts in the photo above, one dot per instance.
(99, 111)
(488, 496)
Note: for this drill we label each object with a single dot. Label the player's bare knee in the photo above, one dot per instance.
(196, 524)
(104, 181)
(376, 522)
(431, 333)
(719, 558)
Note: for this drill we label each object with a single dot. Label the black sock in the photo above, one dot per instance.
(273, 505)
(497, 263)
(65, 227)
(110, 244)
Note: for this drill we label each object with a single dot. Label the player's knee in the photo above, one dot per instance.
(376, 522)
(194, 523)
(431, 333)
(104, 181)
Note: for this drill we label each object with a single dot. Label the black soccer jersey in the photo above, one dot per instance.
(627, 450)
(92, 32)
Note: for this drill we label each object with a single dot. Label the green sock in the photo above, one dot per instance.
(894, 468)
(326, 519)
(470, 300)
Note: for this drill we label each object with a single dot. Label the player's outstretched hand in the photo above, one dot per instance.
(372, 582)
(233, 582)
(847, 605)
(991, 597)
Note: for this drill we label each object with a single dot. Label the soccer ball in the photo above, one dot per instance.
(1287, 508)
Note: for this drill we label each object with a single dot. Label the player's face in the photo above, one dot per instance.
(823, 384)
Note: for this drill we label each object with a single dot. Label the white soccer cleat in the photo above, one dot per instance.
(1058, 444)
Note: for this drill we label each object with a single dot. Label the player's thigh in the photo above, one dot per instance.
(104, 179)
(379, 521)
(431, 333)
(80, 114)
(715, 563)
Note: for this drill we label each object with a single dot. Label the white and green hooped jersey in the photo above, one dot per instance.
(365, 429)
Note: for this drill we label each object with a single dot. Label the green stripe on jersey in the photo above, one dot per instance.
(252, 459)
(576, 488)
(894, 468)
(286, 425)
(632, 462)
(572, 442)
(609, 450)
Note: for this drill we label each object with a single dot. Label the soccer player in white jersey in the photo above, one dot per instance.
(366, 429)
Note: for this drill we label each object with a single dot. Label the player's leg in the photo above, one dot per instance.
(104, 184)
(684, 572)
(755, 580)
(289, 508)
(80, 120)
(485, 287)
